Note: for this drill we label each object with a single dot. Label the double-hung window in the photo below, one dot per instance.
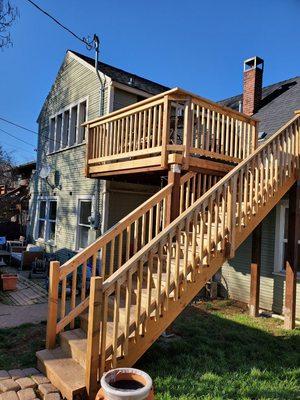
(281, 240)
(65, 128)
(46, 222)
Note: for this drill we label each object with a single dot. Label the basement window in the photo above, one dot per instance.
(65, 128)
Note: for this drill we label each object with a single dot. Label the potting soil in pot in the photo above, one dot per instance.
(126, 384)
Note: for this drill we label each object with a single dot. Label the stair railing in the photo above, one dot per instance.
(102, 258)
(205, 234)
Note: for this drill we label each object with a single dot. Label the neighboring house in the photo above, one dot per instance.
(67, 210)
(273, 106)
(14, 200)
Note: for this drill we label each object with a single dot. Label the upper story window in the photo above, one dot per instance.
(65, 128)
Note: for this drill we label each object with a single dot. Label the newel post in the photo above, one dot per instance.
(93, 337)
(52, 304)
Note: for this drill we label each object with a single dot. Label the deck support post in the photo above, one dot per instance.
(93, 337)
(255, 271)
(173, 204)
(292, 256)
(52, 304)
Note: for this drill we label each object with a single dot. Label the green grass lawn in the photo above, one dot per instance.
(219, 352)
(222, 353)
(18, 345)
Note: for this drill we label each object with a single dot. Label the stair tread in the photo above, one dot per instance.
(63, 370)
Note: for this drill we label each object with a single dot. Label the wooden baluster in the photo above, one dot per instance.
(157, 222)
(154, 128)
(103, 262)
(52, 304)
(201, 232)
(231, 137)
(104, 313)
(208, 131)
(150, 233)
(216, 217)
(94, 264)
(222, 150)
(149, 283)
(128, 237)
(140, 274)
(240, 199)
(136, 236)
(213, 136)
(158, 284)
(227, 135)
(194, 246)
(112, 256)
(63, 298)
(181, 202)
(177, 264)
(245, 208)
(126, 134)
(159, 127)
(73, 296)
(149, 126)
(209, 227)
(120, 250)
(143, 230)
(93, 337)
(139, 143)
(186, 234)
(135, 144)
(116, 323)
(236, 131)
(218, 134)
(130, 140)
(223, 218)
(168, 270)
(83, 281)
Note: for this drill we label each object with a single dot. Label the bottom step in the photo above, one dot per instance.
(65, 373)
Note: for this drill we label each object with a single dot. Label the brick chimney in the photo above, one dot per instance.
(252, 84)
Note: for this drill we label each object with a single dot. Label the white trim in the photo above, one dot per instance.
(46, 239)
(79, 198)
(111, 97)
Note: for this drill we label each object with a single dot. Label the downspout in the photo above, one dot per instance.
(102, 94)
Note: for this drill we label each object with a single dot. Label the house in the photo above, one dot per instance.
(273, 106)
(67, 210)
(14, 200)
(193, 182)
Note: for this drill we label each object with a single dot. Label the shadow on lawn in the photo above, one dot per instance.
(221, 358)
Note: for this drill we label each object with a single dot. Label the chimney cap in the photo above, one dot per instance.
(253, 63)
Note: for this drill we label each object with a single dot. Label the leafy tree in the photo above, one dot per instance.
(8, 14)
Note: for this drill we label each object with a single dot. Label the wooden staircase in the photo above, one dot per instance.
(151, 269)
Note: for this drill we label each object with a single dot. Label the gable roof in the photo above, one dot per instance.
(124, 77)
(279, 101)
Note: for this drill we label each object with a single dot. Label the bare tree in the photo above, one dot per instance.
(6, 164)
(8, 14)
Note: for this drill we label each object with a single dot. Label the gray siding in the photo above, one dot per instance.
(74, 81)
(236, 272)
(123, 98)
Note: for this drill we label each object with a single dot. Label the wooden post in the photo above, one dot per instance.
(173, 202)
(52, 304)
(255, 271)
(93, 337)
(292, 256)
(165, 132)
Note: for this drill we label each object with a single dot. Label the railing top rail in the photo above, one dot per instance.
(173, 92)
(172, 227)
(88, 252)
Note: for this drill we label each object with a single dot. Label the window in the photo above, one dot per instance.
(47, 219)
(65, 127)
(83, 228)
(282, 215)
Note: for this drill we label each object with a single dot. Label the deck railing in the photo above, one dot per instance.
(172, 122)
(205, 233)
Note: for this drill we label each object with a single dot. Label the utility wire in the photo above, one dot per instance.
(15, 137)
(88, 42)
(30, 130)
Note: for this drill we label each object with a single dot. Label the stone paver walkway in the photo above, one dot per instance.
(26, 384)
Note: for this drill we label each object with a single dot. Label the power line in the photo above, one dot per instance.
(88, 42)
(30, 130)
(19, 126)
(15, 137)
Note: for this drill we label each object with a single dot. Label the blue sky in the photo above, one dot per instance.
(197, 45)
